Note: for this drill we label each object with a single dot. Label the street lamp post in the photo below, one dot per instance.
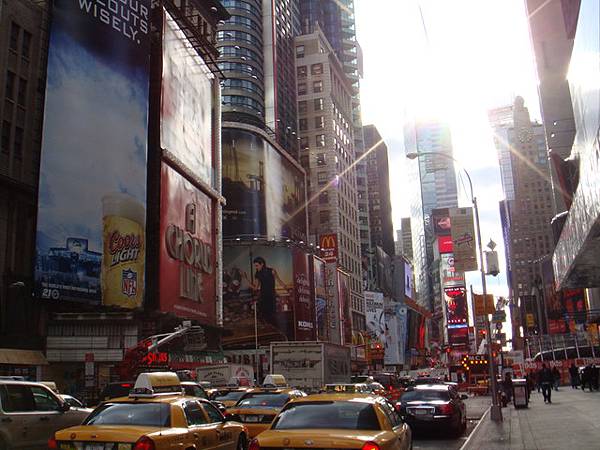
(496, 411)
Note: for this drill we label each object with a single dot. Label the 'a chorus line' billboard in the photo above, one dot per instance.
(92, 193)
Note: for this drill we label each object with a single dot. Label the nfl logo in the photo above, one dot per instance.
(129, 284)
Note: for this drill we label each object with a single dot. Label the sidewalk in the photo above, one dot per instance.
(571, 421)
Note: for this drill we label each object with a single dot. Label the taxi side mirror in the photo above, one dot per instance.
(64, 407)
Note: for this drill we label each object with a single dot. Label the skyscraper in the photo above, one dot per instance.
(525, 171)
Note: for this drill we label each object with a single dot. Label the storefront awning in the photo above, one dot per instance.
(19, 357)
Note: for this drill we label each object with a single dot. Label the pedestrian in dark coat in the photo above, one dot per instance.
(595, 376)
(556, 375)
(574, 374)
(546, 380)
(586, 378)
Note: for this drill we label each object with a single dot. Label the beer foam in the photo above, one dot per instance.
(124, 205)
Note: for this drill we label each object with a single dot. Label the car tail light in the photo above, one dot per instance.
(52, 444)
(144, 443)
(370, 446)
(446, 409)
(254, 445)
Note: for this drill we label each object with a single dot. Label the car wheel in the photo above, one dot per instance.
(242, 442)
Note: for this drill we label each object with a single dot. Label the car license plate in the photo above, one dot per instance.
(252, 418)
(421, 412)
(94, 447)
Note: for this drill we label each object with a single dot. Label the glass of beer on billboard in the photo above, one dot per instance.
(123, 257)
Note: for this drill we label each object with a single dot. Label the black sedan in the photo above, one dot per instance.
(431, 407)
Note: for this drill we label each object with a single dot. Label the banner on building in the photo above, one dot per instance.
(463, 239)
(344, 299)
(444, 244)
(375, 317)
(449, 277)
(91, 243)
(329, 247)
(265, 189)
(187, 284)
(304, 304)
(441, 221)
(334, 320)
(186, 125)
(321, 300)
(456, 306)
(408, 281)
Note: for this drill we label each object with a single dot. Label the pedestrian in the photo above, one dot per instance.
(507, 385)
(556, 376)
(574, 374)
(595, 376)
(538, 380)
(586, 378)
(546, 380)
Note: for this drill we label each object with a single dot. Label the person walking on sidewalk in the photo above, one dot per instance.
(546, 380)
(556, 375)
(507, 385)
(574, 374)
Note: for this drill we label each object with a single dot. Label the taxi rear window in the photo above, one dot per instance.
(234, 395)
(143, 414)
(263, 399)
(335, 415)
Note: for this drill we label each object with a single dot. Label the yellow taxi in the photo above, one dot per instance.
(229, 396)
(257, 408)
(336, 421)
(155, 416)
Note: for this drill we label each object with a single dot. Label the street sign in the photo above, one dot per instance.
(482, 308)
(499, 316)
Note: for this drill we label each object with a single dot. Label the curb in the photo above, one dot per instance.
(476, 429)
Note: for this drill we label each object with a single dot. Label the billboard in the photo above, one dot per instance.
(276, 279)
(458, 335)
(375, 317)
(328, 244)
(463, 239)
(444, 244)
(456, 305)
(334, 319)
(441, 221)
(408, 281)
(321, 300)
(187, 284)
(265, 190)
(395, 333)
(344, 303)
(448, 274)
(91, 242)
(186, 125)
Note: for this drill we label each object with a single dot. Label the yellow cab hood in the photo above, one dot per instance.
(110, 433)
(321, 438)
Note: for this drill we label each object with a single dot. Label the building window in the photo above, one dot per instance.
(302, 88)
(9, 90)
(324, 198)
(299, 51)
(317, 86)
(319, 122)
(322, 178)
(302, 107)
(321, 159)
(14, 37)
(303, 123)
(26, 44)
(304, 142)
(18, 142)
(323, 217)
(22, 93)
(318, 104)
(5, 136)
(301, 71)
(320, 139)
(316, 69)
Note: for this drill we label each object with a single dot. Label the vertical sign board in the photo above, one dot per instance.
(92, 191)
(375, 317)
(334, 319)
(321, 309)
(344, 299)
(187, 249)
(304, 297)
(328, 244)
(463, 239)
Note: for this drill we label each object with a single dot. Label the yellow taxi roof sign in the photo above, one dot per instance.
(149, 384)
(274, 380)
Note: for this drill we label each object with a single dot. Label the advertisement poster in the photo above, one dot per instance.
(449, 276)
(334, 320)
(375, 317)
(186, 125)
(458, 335)
(463, 239)
(91, 221)
(456, 306)
(444, 244)
(441, 221)
(344, 299)
(321, 307)
(187, 249)
(402, 333)
(304, 305)
(408, 281)
(265, 191)
(276, 279)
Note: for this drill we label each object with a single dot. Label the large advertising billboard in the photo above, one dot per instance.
(344, 303)
(321, 300)
(375, 317)
(276, 279)
(463, 239)
(186, 125)
(265, 190)
(456, 305)
(448, 274)
(396, 315)
(91, 242)
(187, 249)
(334, 319)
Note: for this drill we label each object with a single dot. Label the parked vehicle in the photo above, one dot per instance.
(30, 413)
(429, 407)
(311, 365)
(222, 375)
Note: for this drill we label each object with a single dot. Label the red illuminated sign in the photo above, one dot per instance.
(155, 358)
(445, 244)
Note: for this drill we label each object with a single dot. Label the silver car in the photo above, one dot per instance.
(30, 414)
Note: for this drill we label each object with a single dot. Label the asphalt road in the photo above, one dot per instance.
(476, 406)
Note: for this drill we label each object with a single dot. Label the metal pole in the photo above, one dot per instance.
(496, 411)
(256, 341)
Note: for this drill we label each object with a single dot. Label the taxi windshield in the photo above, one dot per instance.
(260, 399)
(233, 395)
(143, 414)
(335, 415)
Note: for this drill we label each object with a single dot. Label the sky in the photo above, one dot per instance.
(451, 61)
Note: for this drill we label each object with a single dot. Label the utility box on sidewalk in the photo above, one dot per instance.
(520, 397)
